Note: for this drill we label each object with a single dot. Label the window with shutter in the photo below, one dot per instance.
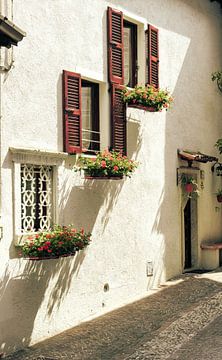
(130, 53)
(72, 112)
(152, 56)
(118, 117)
(115, 46)
(81, 114)
(90, 117)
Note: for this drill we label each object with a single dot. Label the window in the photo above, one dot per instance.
(35, 179)
(81, 114)
(130, 53)
(36, 198)
(90, 116)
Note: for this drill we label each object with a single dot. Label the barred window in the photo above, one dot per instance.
(36, 198)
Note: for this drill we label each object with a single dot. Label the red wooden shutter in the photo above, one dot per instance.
(152, 56)
(115, 46)
(118, 117)
(72, 112)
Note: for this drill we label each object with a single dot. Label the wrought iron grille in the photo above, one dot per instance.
(36, 198)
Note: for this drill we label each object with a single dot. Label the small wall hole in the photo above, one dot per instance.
(106, 288)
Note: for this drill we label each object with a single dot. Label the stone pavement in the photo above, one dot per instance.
(181, 321)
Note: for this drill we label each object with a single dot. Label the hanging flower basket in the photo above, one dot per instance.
(189, 186)
(107, 165)
(147, 98)
(61, 241)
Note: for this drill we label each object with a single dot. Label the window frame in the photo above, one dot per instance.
(36, 157)
(95, 107)
(134, 49)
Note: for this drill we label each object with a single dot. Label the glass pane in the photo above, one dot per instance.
(86, 115)
(127, 56)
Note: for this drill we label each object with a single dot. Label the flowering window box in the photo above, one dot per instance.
(147, 98)
(61, 241)
(107, 165)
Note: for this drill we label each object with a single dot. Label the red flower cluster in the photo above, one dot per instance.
(61, 240)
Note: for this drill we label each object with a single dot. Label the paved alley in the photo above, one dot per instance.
(181, 321)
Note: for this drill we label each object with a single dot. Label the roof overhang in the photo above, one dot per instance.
(191, 156)
(10, 34)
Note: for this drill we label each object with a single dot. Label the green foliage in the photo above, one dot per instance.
(148, 96)
(190, 191)
(61, 240)
(108, 164)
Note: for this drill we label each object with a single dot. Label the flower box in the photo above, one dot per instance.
(88, 177)
(147, 98)
(107, 165)
(38, 258)
(61, 241)
(143, 107)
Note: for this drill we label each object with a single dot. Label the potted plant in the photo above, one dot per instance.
(189, 185)
(60, 241)
(147, 98)
(219, 195)
(106, 165)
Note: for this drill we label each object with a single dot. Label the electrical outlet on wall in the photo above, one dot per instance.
(149, 268)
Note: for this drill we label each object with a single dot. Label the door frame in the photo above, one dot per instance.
(195, 173)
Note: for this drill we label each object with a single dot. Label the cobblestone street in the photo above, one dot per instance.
(181, 321)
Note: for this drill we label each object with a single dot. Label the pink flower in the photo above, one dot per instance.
(103, 163)
(49, 251)
(48, 243)
(40, 248)
(115, 168)
(73, 230)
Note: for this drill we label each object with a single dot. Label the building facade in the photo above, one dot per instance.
(76, 55)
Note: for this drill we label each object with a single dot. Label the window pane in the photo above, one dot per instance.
(127, 56)
(36, 198)
(86, 115)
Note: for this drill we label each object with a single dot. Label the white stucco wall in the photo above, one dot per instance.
(132, 221)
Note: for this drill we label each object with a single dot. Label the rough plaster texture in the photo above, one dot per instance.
(132, 221)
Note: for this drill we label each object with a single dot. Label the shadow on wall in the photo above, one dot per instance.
(21, 297)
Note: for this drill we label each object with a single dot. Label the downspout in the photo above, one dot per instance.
(6, 63)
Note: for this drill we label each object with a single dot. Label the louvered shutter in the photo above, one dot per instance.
(115, 46)
(118, 117)
(72, 112)
(152, 56)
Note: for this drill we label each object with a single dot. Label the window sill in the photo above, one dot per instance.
(37, 156)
